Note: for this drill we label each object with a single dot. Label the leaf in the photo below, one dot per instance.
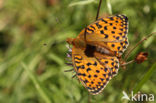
(145, 78)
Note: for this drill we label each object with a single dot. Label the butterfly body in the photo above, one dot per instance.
(97, 50)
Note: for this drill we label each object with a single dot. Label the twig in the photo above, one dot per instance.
(97, 16)
(138, 44)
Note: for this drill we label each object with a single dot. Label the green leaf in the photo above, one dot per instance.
(145, 78)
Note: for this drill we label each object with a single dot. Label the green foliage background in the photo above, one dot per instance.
(33, 50)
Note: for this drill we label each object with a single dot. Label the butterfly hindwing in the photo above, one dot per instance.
(109, 62)
(94, 73)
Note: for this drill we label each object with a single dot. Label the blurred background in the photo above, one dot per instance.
(33, 50)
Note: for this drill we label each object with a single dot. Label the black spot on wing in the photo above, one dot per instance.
(88, 64)
(77, 62)
(98, 25)
(92, 27)
(106, 36)
(111, 18)
(97, 71)
(111, 24)
(105, 27)
(78, 58)
(113, 32)
(90, 30)
(88, 69)
(95, 63)
(102, 32)
(103, 20)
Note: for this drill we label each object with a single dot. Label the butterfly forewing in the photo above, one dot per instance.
(110, 32)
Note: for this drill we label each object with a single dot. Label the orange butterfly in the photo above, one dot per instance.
(97, 51)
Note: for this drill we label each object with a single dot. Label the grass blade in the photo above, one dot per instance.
(37, 84)
(109, 7)
(81, 3)
(145, 78)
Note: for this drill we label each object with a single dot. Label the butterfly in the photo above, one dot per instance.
(97, 50)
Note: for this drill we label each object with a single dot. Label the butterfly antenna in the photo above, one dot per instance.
(141, 41)
(97, 16)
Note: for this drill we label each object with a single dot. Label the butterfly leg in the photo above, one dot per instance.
(69, 64)
(126, 63)
(123, 63)
(69, 70)
(74, 76)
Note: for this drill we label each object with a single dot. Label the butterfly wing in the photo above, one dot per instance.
(94, 75)
(94, 69)
(111, 62)
(110, 32)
